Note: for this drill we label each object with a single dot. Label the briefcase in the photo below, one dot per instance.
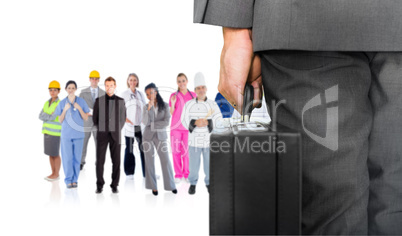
(255, 180)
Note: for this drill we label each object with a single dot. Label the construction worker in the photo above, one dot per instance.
(89, 95)
(52, 129)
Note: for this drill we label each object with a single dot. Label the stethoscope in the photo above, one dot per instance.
(187, 91)
(133, 96)
(72, 104)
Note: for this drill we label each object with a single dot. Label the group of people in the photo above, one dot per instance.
(69, 123)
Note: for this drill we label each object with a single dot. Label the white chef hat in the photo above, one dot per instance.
(199, 80)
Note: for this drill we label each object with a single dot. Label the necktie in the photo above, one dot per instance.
(93, 95)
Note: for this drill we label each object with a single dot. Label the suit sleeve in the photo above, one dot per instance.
(227, 13)
(85, 106)
(95, 113)
(81, 94)
(145, 116)
(165, 122)
(122, 116)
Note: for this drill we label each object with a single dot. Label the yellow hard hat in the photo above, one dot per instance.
(54, 84)
(94, 74)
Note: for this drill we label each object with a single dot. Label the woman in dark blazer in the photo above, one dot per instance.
(156, 118)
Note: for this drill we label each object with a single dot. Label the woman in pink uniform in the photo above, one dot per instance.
(178, 134)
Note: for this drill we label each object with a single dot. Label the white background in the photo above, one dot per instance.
(41, 41)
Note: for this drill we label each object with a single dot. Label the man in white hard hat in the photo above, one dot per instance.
(200, 115)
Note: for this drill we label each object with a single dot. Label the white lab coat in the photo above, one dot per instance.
(131, 104)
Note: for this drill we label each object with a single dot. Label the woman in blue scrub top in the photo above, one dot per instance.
(72, 112)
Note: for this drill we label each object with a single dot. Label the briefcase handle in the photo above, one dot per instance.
(248, 98)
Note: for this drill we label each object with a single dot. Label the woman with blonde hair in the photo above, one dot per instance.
(135, 101)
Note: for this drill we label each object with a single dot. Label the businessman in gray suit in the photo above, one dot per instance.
(336, 67)
(90, 94)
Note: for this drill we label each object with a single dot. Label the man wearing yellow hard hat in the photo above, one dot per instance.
(51, 129)
(89, 95)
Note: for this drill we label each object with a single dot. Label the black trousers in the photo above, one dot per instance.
(129, 158)
(114, 147)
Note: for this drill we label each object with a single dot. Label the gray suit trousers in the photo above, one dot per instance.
(162, 148)
(348, 108)
(86, 139)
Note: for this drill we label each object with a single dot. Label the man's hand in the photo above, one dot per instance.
(201, 122)
(239, 65)
(129, 121)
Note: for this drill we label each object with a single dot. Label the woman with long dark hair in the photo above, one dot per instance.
(156, 118)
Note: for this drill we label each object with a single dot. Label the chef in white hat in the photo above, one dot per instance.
(200, 115)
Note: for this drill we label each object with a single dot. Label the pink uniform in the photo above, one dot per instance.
(179, 135)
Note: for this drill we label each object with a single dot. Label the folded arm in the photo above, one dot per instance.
(43, 116)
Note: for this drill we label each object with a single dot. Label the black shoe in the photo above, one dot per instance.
(81, 166)
(174, 191)
(115, 190)
(155, 192)
(208, 188)
(191, 190)
(98, 190)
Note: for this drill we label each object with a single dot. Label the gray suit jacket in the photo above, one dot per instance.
(87, 96)
(314, 25)
(156, 124)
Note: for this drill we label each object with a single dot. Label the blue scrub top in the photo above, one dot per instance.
(224, 106)
(73, 124)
